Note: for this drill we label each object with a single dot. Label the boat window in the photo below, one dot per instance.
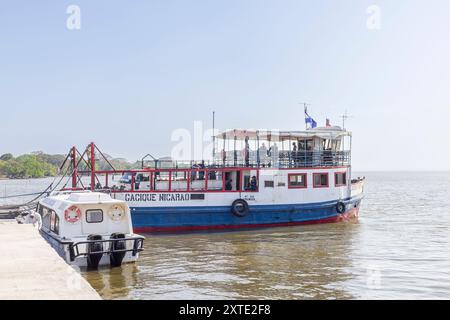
(161, 180)
(338, 145)
(328, 144)
(320, 180)
(198, 177)
(269, 184)
(125, 182)
(297, 180)
(340, 179)
(126, 178)
(54, 222)
(94, 216)
(142, 181)
(197, 181)
(215, 181)
(142, 177)
(45, 218)
(305, 145)
(249, 180)
(46, 222)
(232, 180)
(178, 180)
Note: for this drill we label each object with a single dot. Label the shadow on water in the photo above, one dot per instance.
(306, 262)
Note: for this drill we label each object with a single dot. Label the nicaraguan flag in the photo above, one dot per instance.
(309, 120)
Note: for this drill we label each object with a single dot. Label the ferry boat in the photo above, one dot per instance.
(255, 179)
(89, 229)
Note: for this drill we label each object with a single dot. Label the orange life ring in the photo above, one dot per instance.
(72, 214)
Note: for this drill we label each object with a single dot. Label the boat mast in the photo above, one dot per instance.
(214, 136)
(74, 167)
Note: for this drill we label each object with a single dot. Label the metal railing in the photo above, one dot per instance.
(74, 249)
(299, 159)
(284, 159)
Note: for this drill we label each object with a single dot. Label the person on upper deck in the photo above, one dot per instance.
(201, 174)
(272, 153)
(263, 150)
(224, 156)
(247, 152)
(193, 172)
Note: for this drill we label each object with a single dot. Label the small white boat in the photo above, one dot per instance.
(89, 229)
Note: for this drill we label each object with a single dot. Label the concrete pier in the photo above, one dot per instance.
(31, 269)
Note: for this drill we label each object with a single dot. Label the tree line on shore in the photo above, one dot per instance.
(39, 164)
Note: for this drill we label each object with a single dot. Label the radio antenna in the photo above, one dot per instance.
(344, 117)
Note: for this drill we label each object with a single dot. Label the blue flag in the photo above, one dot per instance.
(310, 120)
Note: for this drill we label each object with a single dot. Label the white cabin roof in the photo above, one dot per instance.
(61, 199)
(333, 132)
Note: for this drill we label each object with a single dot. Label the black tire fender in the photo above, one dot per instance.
(239, 208)
(116, 258)
(94, 251)
(340, 207)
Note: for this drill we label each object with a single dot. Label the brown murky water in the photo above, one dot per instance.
(276, 263)
(398, 250)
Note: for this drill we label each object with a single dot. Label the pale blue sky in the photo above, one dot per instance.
(137, 70)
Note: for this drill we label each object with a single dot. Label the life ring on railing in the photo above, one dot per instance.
(340, 207)
(239, 208)
(117, 212)
(72, 214)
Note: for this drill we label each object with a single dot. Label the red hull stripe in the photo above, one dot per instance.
(352, 214)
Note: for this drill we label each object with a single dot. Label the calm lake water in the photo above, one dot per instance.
(399, 249)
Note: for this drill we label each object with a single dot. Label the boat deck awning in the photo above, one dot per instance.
(323, 132)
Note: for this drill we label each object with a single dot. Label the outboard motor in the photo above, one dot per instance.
(95, 251)
(117, 257)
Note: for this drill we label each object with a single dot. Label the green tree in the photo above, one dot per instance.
(53, 159)
(2, 169)
(27, 166)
